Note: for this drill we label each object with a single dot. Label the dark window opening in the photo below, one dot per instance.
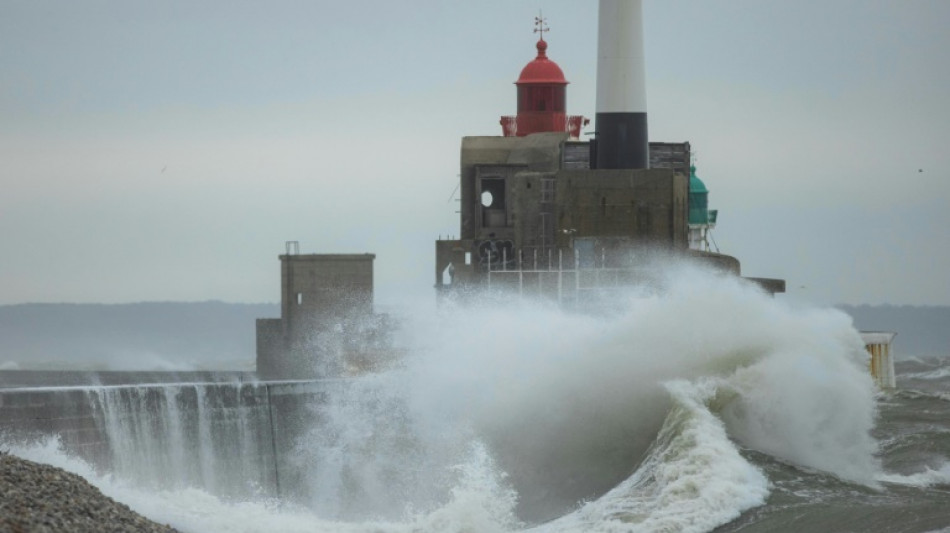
(544, 98)
(494, 209)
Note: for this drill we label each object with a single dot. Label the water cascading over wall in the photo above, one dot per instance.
(231, 439)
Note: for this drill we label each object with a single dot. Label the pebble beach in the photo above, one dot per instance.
(41, 498)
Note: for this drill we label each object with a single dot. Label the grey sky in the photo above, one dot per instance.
(166, 150)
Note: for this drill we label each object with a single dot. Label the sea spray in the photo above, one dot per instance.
(181, 435)
(481, 502)
(926, 478)
(809, 402)
(370, 457)
(359, 461)
(569, 403)
(639, 411)
(692, 479)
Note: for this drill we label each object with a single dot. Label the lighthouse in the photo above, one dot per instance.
(546, 214)
(542, 96)
(621, 121)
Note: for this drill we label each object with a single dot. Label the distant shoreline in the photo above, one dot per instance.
(212, 336)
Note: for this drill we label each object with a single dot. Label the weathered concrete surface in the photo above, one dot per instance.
(647, 206)
(233, 439)
(69, 378)
(530, 203)
(325, 298)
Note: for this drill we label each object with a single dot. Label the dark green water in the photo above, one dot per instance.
(913, 430)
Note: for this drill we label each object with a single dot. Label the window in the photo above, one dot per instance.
(547, 190)
(494, 210)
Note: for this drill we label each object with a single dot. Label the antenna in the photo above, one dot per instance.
(451, 196)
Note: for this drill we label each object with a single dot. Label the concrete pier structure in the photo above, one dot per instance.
(234, 439)
(880, 362)
(326, 306)
(540, 199)
(534, 204)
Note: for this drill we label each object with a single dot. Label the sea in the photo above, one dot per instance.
(697, 404)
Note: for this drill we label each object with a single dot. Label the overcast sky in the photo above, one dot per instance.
(167, 150)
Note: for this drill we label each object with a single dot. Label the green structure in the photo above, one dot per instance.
(701, 218)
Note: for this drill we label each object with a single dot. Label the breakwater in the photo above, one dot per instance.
(232, 438)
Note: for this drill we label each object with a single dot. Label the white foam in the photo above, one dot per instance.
(940, 373)
(927, 478)
(808, 407)
(693, 480)
(549, 387)
(563, 408)
(481, 502)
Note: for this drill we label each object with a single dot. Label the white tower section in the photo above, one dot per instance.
(621, 76)
(621, 119)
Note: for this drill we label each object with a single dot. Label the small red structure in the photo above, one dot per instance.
(542, 101)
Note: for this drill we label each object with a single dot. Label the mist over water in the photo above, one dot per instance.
(516, 414)
(571, 404)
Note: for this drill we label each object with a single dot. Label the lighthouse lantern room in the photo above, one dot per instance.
(542, 96)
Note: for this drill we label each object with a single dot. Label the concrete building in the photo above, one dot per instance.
(327, 324)
(542, 212)
(547, 214)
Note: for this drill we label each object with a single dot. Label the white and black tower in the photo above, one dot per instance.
(621, 120)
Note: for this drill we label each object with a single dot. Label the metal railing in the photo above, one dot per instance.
(554, 273)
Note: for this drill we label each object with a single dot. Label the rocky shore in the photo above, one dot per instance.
(42, 498)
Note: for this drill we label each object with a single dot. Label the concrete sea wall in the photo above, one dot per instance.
(233, 438)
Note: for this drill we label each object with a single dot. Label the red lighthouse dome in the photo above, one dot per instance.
(541, 69)
(542, 98)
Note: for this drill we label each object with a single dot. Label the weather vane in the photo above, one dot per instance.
(542, 25)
